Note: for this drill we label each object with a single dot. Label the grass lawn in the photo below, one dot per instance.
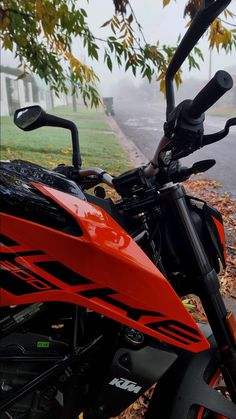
(50, 146)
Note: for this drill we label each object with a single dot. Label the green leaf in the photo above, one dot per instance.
(111, 46)
(113, 28)
(106, 23)
(83, 12)
(119, 61)
(199, 53)
(134, 70)
(128, 64)
(109, 63)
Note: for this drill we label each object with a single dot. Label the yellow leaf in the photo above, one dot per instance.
(165, 3)
(123, 27)
(81, 416)
(115, 19)
(136, 406)
(40, 9)
(163, 86)
(162, 76)
(66, 150)
(63, 10)
(227, 13)
(131, 40)
(124, 44)
(7, 43)
(22, 76)
(4, 23)
(178, 79)
(49, 24)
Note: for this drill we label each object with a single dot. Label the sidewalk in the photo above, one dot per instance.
(136, 157)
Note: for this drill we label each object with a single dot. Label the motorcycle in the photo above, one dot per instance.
(91, 311)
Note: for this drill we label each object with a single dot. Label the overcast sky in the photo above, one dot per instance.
(158, 24)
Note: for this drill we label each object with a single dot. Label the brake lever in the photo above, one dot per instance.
(212, 138)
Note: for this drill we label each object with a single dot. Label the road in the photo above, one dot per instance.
(142, 122)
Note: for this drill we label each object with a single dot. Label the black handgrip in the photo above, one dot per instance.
(215, 88)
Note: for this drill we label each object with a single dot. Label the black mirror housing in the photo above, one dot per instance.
(30, 118)
(33, 117)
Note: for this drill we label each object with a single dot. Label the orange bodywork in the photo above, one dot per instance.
(221, 232)
(103, 269)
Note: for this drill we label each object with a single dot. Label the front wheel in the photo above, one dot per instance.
(214, 379)
(193, 388)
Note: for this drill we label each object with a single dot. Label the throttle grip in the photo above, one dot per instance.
(211, 93)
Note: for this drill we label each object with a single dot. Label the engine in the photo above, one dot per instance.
(23, 357)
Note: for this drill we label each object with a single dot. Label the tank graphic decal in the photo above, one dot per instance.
(108, 295)
(17, 276)
(61, 272)
(103, 270)
(20, 280)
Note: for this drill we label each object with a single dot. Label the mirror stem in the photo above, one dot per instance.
(55, 121)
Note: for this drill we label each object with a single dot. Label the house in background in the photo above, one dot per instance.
(21, 92)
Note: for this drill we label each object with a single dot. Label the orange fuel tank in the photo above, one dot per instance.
(102, 268)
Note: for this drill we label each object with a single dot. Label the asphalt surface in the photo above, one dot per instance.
(142, 122)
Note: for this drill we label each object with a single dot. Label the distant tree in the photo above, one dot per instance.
(40, 33)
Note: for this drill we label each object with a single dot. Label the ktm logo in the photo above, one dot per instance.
(125, 385)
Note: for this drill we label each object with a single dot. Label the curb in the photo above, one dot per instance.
(135, 156)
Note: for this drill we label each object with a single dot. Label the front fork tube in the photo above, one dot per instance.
(208, 285)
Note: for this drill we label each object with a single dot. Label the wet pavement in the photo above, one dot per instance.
(142, 122)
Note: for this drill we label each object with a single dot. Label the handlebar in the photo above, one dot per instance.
(192, 120)
(211, 93)
(94, 175)
(209, 10)
(97, 171)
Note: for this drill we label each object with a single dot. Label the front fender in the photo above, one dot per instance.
(184, 386)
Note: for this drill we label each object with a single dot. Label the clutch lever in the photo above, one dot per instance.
(212, 138)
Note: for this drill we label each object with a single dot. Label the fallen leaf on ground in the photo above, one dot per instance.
(207, 190)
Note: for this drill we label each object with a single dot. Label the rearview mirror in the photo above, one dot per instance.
(30, 118)
(34, 117)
